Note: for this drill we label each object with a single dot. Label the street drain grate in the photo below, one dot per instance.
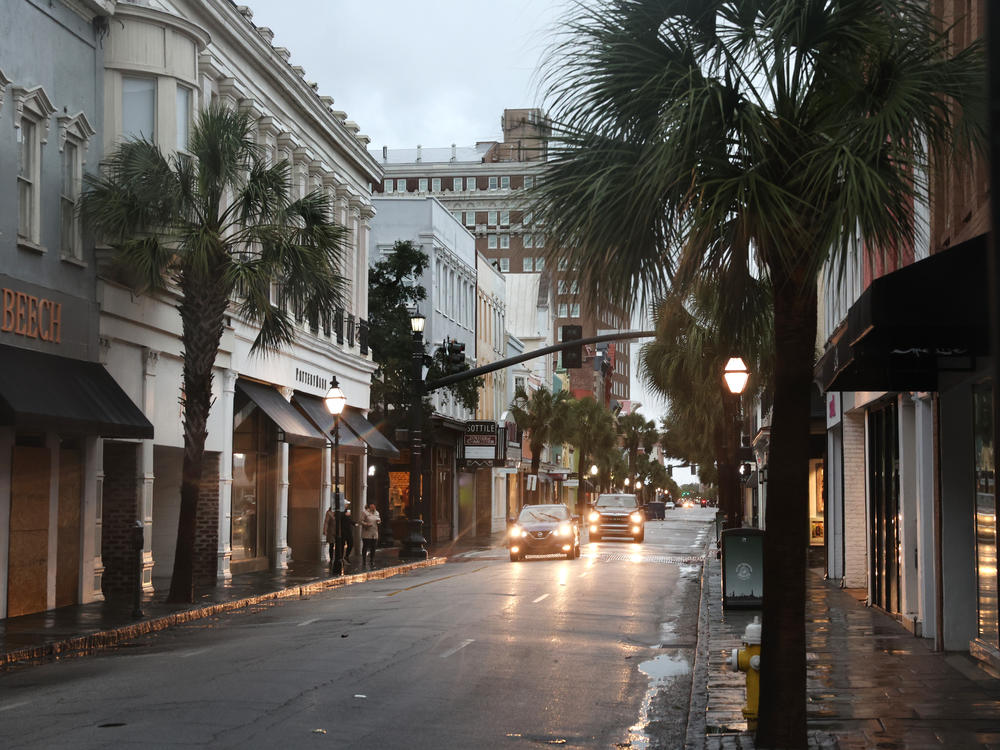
(111, 724)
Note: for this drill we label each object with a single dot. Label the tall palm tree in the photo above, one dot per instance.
(592, 434)
(636, 433)
(219, 228)
(691, 134)
(543, 415)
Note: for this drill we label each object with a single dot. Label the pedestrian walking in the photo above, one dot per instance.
(330, 531)
(370, 520)
(347, 530)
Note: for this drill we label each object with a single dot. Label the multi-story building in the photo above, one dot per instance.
(450, 312)
(484, 186)
(907, 369)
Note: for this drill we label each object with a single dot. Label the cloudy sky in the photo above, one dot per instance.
(431, 73)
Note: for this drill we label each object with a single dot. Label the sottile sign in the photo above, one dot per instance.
(480, 443)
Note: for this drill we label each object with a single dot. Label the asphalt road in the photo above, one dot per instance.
(478, 653)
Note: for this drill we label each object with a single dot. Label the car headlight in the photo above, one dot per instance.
(515, 531)
(595, 516)
(563, 530)
(636, 517)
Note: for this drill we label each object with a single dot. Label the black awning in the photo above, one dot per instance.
(41, 391)
(296, 428)
(377, 442)
(911, 324)
(317, 413)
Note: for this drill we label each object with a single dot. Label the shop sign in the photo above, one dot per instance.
(42, 319)
(833, 409)
(480, 444)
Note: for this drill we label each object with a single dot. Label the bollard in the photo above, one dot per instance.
(748, 660)
(137, 545)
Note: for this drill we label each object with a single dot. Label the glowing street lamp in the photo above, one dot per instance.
(335, 401)
(736, 375)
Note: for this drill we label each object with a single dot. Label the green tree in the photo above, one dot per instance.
(592, 435)
(543, 415)
(393, 291)
(637, 433)
(220, 228)
(691, 135)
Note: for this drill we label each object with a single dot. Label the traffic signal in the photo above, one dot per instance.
(572, 357)
(456, 352)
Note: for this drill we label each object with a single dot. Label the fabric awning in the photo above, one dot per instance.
(377, 442)
(911, 324)
(41, 391)
(296, 428)
(317, 413)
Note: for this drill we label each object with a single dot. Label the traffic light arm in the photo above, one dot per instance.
(502, 363)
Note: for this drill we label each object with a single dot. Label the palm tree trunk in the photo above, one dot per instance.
(202, 311)
(729, 484)
(782, 721)
(536, 461)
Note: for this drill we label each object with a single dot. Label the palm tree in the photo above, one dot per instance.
(636, 432)
(543, 415)
(688, 136)
(219, 228)
(592, 434)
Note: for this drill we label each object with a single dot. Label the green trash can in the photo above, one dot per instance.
(742, 568)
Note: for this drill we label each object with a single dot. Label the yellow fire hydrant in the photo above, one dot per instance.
(747, 660)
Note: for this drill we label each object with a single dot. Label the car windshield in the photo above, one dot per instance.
(616, 501)
(543, 513)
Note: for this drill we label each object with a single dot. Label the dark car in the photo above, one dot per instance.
(617, 514)
(544, 530)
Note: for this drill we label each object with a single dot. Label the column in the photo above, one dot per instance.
(225, 552)
(324, 502)
(908, 543)
(361, 262)
(52, 444)
(923, 428)
(91, 567)
(281, 549)
(144, 512)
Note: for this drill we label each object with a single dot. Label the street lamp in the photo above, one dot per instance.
(413, 543)
(335, 401)
(593, 487)
(736, 375)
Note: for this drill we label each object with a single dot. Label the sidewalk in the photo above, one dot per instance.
(870, 682)
(84, 628)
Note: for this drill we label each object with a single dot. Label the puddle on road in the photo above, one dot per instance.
(665, 667)
(660, 670)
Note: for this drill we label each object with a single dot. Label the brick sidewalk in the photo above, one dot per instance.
(870, 682)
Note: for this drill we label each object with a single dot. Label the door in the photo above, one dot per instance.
(883, 442)
(28, 556)
(68, 538)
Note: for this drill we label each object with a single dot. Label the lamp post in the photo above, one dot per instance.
(335, 401)
(735, 375)
(413, 543)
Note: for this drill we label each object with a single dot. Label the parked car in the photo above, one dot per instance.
(669, 505)
(544, 530)
(617, 514)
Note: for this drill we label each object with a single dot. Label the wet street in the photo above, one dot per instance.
(481, 652)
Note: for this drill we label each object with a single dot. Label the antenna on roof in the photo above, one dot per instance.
(385, 153)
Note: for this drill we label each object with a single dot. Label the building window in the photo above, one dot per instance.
(493, 183)
(573, 288)
(563, 309)
(470, 218)
(184, 97)
(69, 221)
(400, 186)
(491, 241)
(504, 241)
(526, 217)
(539, 264)
(27, 180)
(505, 218)
(388, 185)
(505, 183)
(470, 183)
(422, 184)
(138, 108)
(435, 184)
(528, 240)
(491, 218)
(456, 184)
(529, 182)
(526, 264)
(574, 310)
(562, 287)
(539, 240)
(505, 265)
(457, 215)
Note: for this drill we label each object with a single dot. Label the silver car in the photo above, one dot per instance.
(617, 514)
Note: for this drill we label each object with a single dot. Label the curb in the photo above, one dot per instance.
(84, 644)
(694, 738)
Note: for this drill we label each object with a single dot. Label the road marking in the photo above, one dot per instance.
(9, 706)
(307, 622)
(543, 596)
(197, 651)
(442, 578)
(457, 648)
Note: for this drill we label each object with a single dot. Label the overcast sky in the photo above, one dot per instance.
(431, 73)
